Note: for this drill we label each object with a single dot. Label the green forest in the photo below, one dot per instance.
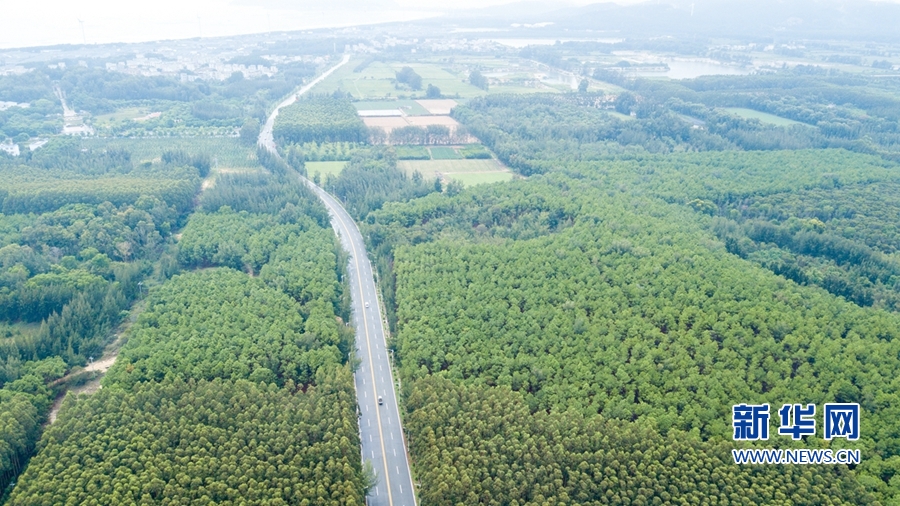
(580, 334)
(199, 368)
(628, 284)
(81, 231)
(320, 119)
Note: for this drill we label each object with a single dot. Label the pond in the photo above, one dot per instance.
(679, 69)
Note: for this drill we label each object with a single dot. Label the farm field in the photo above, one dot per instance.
(324, 169)
(376, 81)
(761, 116)
(445, 153)
(438, 106)
(390, 123)
(507, 76)
(432, 120)
(467, 172)
(410, 107)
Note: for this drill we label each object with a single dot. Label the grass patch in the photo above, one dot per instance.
(412, 153)
(764, 117)
(618, 115)
(9, 330)
(324, 169)
(119, 115)
(444, 153)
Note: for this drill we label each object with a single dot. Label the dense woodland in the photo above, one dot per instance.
(575, 336)
(476, 444)
(320, 119)
(625, 283)
(80, 231)
(190, 442)
(372, 178)
(200, 366)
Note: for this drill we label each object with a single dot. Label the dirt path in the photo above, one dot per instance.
(98, 366)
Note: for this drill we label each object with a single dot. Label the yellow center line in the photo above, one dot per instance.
(387, 476)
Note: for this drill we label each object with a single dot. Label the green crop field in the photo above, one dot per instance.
(412, 153)
(324, 168)
(761, 116)
(444, 153)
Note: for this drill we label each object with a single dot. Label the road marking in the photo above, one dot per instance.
(370, 438)
(397, 468)
(395, 454)
(387, 477)
(369, 422)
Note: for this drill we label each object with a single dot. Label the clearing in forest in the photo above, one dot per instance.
(324, 169)
(763, 117)
(467, 172)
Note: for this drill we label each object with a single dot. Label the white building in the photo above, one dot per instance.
(11, 149)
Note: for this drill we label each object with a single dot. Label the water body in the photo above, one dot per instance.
(690, 69)
(520, 43)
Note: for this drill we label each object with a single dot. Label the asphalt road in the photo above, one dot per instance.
(381, 432)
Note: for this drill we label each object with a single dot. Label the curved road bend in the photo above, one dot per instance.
(380, 428)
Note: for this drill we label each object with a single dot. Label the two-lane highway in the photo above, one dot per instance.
(379, 422)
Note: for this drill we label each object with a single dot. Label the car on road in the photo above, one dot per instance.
(380, 400)
(367, 304)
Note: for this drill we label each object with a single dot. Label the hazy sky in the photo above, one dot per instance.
(45, 22)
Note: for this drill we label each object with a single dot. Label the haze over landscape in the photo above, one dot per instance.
(408, 252)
